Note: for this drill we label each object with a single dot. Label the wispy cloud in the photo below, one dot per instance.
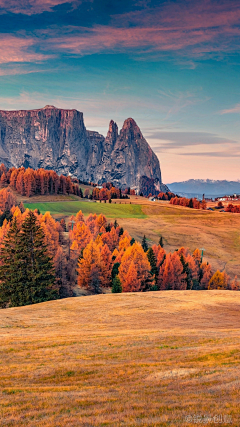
(19, 49)
(31, 7)
(147, 40)
(196, 143)
(235, 109)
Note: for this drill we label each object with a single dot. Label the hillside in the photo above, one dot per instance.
(218, 233)
(121, 360)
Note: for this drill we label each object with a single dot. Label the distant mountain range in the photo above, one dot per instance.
(209, 187)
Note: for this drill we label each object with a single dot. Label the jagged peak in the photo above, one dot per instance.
(130, 125)
(112, 130)
(130, 122)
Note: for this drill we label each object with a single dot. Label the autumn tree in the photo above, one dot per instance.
(135, 264)
(106, 266)
(218, 281)
(89, 268)
(205, 275)
(235, 285)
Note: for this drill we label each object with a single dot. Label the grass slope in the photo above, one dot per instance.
(71, 208)
(218, 233)
(121, 360)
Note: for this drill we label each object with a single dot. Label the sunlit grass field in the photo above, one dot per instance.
(71, 208)
(121, 360)
(217, 233)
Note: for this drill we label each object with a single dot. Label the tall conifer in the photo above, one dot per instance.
(26, 273)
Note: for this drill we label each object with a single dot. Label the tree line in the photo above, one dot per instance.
(189, 203)
(29, 182)
(43, 259)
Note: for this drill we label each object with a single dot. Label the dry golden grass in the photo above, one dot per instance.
(121, 360)
(218, 233)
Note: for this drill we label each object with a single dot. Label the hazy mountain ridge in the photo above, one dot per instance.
(209, 187)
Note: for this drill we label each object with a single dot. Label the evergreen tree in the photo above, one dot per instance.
(108, 228)
(117, 287)
(132, 241)
(121, 231)
(11, 279)
(161, 242)
(27, 270)
(5, 215)
(144, 244)
(187, 271)
(191, 203)
(115, 270)
(115, 224)
(153, 263)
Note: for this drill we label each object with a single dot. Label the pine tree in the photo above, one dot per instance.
(121, 231)
(132, 241)
(153, 262)
(144, 244)
(117, 287)
(186, 271)
(11, 279)
(36, 265)
(191, 203)
(115, 270)
(161, 242)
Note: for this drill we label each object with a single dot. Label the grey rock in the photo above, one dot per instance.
(57, 139)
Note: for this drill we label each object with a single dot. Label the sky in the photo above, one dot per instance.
(173, 66)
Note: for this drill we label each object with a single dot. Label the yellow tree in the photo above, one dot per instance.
(81, 235)
(89, 268)
(124, 243)
(218, 281)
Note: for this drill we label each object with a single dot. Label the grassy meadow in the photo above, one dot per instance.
(67, 208)
(218, 233)
(121, 360)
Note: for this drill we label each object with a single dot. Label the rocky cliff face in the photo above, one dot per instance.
(57, 139)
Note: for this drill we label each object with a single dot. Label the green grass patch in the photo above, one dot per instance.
(71, 208)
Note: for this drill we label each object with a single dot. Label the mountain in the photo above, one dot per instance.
(57, 139)
(211, 188)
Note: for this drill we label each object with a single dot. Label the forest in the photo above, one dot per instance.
(42, 259)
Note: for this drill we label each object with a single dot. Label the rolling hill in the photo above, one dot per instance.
(149, 359)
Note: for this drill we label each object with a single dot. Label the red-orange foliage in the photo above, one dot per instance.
(28, 182)
(7, 200)
(183, 201)
(89, 268)
(171, 274)
(233, 208)
(136, 255)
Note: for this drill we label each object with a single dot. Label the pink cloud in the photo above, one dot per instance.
(147, 39)
(31, 7)
(18, 49)
(235, 109)
(186, 15)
